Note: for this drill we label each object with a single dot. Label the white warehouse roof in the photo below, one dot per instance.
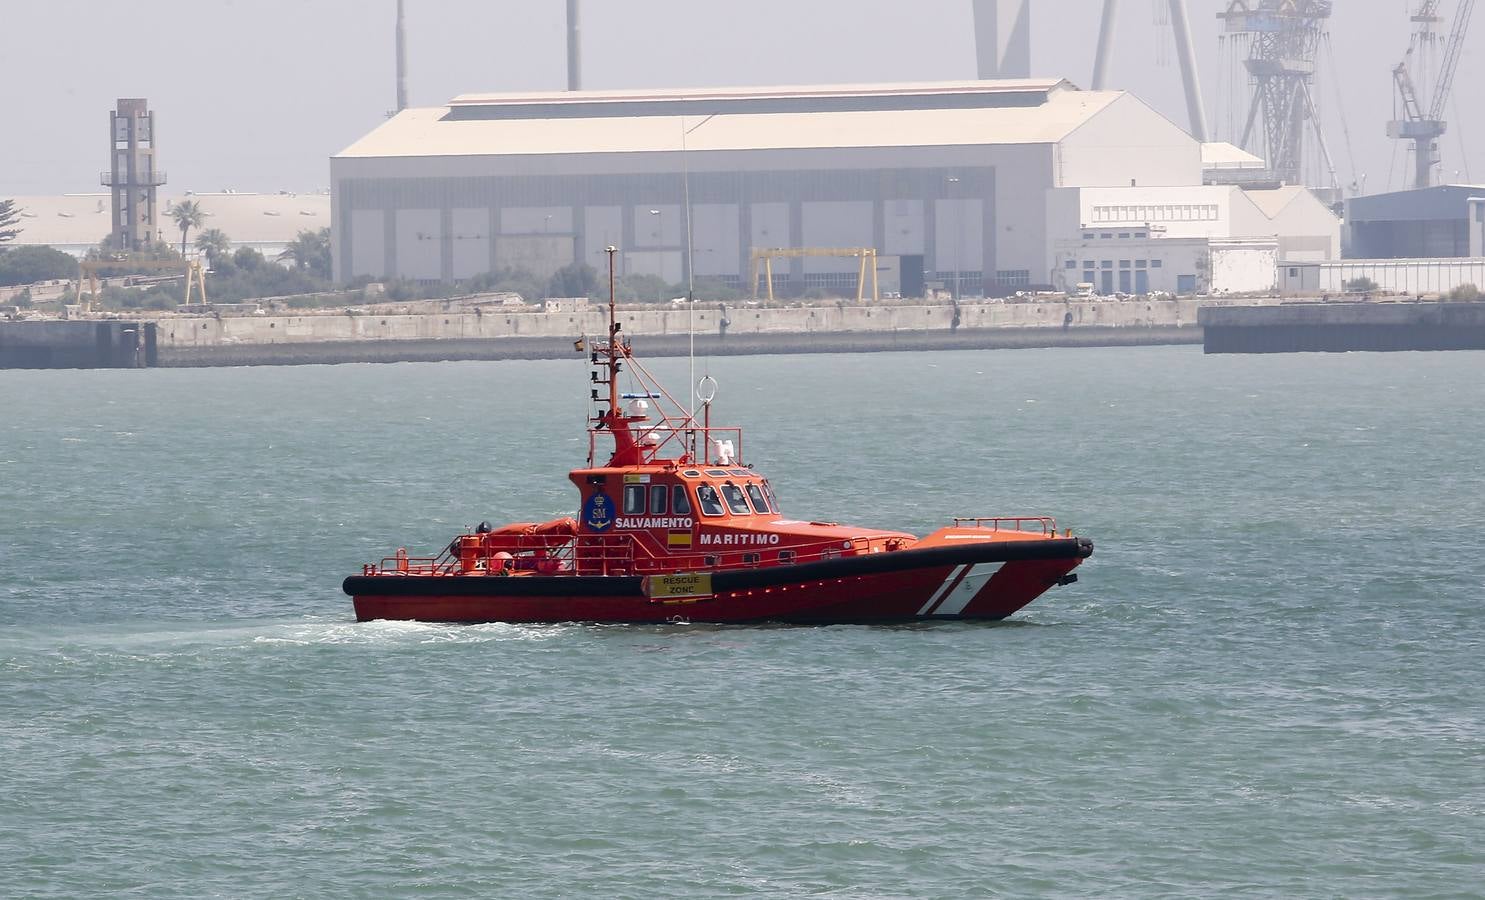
(931, 114)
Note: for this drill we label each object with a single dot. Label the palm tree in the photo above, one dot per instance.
(187, 214)
(214, 243)
(9, 215)
(309, 250)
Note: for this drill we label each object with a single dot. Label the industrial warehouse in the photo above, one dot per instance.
(981, 187)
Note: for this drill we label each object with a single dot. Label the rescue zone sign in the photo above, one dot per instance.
(674, 587)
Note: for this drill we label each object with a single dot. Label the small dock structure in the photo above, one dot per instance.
(1327, 327)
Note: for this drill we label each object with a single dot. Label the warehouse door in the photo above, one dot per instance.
(910, 275)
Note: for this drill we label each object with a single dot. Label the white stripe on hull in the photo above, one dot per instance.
(960, 596)
(942, 589)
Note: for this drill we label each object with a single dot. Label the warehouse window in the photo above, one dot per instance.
(1139, 264)
(1106, 264)
(1164, 213)
(1014, 277)
(1155, 263)
(1123, 263)
(1070, 264)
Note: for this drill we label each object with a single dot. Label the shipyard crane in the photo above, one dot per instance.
(1424, 127)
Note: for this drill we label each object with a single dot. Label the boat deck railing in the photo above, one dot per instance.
(625, 554)
(400, 563)
(622, 554)
(673, 435)
(1044, 524)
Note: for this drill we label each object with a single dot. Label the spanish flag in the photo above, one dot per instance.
(679, 540)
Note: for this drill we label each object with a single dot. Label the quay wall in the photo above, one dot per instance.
(500, 334)
(1341, 327)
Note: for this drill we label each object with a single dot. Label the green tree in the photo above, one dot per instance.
(644, 289)
(310, 251)
(1465, 292)
(575, 279)
(187, 214)
(248, 259)
(9, 215)
(24, 265)
(215, 244)
(508, 279)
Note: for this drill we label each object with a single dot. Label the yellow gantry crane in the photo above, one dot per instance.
(763, 265)
(89, 269)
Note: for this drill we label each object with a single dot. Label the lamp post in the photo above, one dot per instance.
(958, 234)
(659, 242)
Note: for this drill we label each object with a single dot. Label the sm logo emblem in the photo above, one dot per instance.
(598, 512)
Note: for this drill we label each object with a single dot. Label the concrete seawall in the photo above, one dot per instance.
(1341, 327)
(289, 340)
(241, 340)
(308, 352)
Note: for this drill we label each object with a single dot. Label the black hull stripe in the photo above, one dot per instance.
(730, 580)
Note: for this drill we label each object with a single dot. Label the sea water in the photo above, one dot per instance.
(1268, 681)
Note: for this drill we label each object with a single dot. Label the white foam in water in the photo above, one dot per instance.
(389, 632)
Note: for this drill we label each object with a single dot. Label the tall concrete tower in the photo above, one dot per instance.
(401, 59)
(1003, 38)
(574, 48)
(132, 174)
(1190, 77)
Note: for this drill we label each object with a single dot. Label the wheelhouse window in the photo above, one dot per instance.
(773, 502)
(755, 497)
(680, 502)
(634, 499)
(735, 499)
(709, 501)
(659, 499)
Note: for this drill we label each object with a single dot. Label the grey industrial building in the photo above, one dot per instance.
(975, 183)
(1430, 223)
(951, 178)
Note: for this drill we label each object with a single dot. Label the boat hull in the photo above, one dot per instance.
(989, 580)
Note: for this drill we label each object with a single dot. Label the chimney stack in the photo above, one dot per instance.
(574, 49)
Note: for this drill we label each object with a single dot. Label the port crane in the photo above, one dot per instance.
(89, 269)
(1424, 127)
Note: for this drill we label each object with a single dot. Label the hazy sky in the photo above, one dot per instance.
(257, 94)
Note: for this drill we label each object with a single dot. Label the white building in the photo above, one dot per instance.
(1184, 239)
(977, 183)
